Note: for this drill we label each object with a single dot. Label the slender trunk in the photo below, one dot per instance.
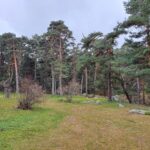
(55, 87)
(109, 84)
(138, 90)
(7, 85)
(16, 72)
(7, 92)
(60, 71)
(148, 39)
(95, 76)
(60, 84)
(143, 93)
(35, 70)
(53, 80)
(86, 80)
(81, 84)
(148, 35)
(74, 71)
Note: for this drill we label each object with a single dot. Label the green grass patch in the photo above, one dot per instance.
(17, 125)
(76, 99)
(147, 113)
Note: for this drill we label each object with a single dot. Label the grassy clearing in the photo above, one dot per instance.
(17, 125)
(54, 125)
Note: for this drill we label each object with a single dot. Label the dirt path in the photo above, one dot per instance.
(96, 128)
(89, 127)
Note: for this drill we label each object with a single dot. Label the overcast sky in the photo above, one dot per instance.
(28, 17)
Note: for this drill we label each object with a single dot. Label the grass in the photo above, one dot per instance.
(55, 125)
(17, 125)
(76, 99)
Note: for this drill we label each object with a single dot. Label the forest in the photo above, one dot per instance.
(55, 65)
(93, 66)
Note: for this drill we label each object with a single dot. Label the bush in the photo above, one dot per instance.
(73, 88)
(69, 98)
(31, 93)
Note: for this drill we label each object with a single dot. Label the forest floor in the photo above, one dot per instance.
(56, 125)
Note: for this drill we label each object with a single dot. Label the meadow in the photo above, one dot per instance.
(56, 125)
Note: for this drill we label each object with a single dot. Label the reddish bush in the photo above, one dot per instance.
(31, 93)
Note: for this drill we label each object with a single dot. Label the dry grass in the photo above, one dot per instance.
(98, 128)
(91, 127)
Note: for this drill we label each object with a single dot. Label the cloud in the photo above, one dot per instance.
(82, 16)
(6, 27)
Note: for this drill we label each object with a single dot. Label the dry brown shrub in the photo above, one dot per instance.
(31, 93)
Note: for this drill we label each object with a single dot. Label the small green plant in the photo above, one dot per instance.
(147, 113)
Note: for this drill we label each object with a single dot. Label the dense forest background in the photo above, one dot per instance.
(94, 66)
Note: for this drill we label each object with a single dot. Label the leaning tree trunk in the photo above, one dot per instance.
(16, 72)
(125, 91)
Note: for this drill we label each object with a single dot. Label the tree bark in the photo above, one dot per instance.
(95, 75)
(60, 71)
(16, 72)
(35, 70)
(138, 90)
(55, 87)
(125, 91)
(81, 84)
(109, 84)
(53, 80)
(86, 80)
(143, 93)
(74, 71)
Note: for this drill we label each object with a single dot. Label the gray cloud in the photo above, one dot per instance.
(27, 17)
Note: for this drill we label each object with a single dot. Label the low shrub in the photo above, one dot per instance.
(31, 93)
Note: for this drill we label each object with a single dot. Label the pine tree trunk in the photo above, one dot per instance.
(148, 39)
(95, 76)
(143, 93)
(60, 71)
(81, 84)
(125, 91)
(55, 87)
(60, 84)
(86, 80)
(53, 80)
(109, 84)
(35, 70)
(16, 72)
(148, 35)
(138, 90)
(74, 71)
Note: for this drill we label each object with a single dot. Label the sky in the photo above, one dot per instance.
(29, 17)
